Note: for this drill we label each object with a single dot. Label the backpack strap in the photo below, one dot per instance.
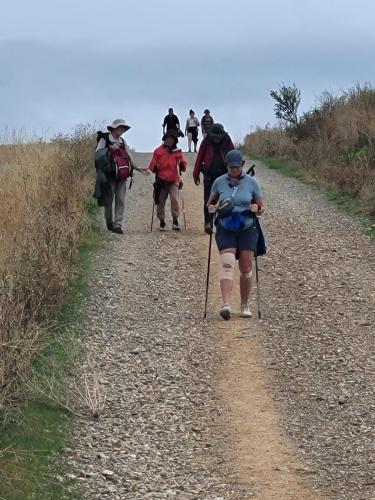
(105, 136)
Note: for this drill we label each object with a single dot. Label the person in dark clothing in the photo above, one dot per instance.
(206, 122)
(171, 122)
(211, 163)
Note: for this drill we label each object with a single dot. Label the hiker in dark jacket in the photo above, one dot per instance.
(206, 122)
(171, 122)
(211, 163)
(114, 167)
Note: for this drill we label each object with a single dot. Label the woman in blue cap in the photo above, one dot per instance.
(236, 198)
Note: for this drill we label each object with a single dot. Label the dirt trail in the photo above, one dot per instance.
(265, 463)
(278, 408)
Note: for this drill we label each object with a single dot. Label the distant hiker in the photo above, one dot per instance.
(211, 163)
(191, 130)
(167, 163)
(237, 199)
(206, 122)
(114, 166)
(171, 122)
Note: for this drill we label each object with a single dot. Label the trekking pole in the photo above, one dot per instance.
(251, 171)
(183, 207)
(152, 216)
(181, 195)
(258, 291)
(208, 275)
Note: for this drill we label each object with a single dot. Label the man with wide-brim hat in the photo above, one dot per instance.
(124, 165)
(118, 123)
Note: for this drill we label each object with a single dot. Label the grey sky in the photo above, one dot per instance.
(67, 62)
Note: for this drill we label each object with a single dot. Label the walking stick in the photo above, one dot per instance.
(208, 275)
(181, 195)
(183, 207)
(258, 291)
(152, 216)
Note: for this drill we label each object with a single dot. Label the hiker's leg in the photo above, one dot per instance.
(175, 206)
(228, 260)
(245, 264)
(207, 185)
(120, 191)
(195, 139)
(108, 202)
(160, 207)
(190, 137)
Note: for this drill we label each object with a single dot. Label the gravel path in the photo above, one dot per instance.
(318, 334)
(162, 433)
(158, 436)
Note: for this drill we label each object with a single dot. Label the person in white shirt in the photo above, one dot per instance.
(191, 130)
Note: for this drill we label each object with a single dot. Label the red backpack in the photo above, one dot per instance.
(120, 157)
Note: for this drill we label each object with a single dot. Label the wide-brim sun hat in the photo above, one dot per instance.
(234, 159)
(119, 122)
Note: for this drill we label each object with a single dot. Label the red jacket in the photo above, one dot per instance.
(206, 152)
(168, 163)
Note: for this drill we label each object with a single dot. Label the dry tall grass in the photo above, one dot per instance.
(44, 190)
(335, 143)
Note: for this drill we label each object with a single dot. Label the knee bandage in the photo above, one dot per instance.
(246, 275)
(227, 266)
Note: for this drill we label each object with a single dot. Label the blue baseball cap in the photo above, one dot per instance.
(234, 158)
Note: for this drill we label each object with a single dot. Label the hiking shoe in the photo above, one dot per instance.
(176, 225)
(208, 228)
(109, 226)
(245, 311)
(225, 311)
(162, 225)
(117, 230)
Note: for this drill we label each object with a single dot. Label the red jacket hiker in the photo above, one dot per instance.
(206, 154)
(168, 163)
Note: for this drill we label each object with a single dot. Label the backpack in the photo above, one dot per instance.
(116, 163)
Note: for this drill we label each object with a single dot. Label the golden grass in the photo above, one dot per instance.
(44, 189)
(334, 143)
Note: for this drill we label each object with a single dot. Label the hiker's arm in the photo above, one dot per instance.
(153, 163)
(182, 163)
(213, 199)
(258, 206)
(198, 164)
(212, 204)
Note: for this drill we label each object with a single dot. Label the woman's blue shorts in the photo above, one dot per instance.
(241, 240)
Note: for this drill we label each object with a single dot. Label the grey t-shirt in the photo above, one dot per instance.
(247, 190)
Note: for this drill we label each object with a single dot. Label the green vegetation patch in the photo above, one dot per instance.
(33, 430)
(344, 202)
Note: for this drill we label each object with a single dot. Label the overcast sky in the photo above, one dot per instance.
(66, 62)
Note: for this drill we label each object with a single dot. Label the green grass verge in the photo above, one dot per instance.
(34, 431)
(343, 201)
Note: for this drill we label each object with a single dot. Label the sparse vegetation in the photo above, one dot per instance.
(332, 145)
(45, 248)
